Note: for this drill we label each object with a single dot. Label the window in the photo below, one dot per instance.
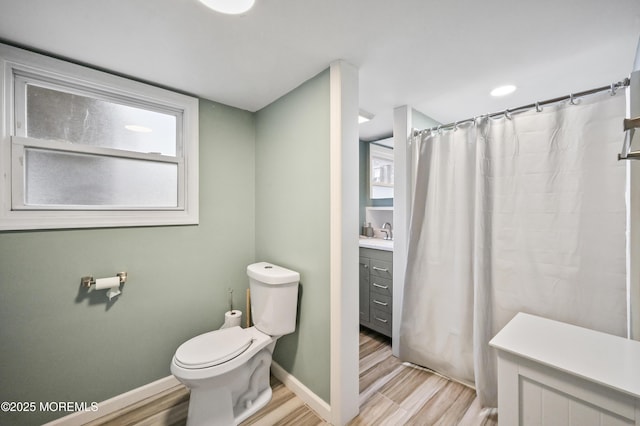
(83, 148)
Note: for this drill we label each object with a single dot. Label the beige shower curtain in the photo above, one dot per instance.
(515, 214)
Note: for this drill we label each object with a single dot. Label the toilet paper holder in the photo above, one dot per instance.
(88, 281)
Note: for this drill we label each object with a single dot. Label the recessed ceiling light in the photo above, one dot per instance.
(503, 90)
(364, 116)
(137, 128)
(230, 7)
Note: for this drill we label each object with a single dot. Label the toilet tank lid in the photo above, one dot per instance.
(272, 274)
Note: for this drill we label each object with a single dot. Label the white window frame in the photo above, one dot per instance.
(14, 215)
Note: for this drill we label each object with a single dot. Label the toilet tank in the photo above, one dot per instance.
(274, 298)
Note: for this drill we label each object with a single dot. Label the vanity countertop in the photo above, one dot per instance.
(376, 243)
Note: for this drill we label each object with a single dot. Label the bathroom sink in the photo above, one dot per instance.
(376, 243)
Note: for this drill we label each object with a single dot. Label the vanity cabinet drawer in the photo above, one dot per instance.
(380, 268)
(381, 321)
(380, 302)
(381, 286)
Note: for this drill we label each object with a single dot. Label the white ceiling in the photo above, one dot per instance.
(440, 56)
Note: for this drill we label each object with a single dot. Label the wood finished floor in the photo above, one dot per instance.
(391, 393)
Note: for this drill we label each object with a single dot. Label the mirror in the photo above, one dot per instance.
(380, 171)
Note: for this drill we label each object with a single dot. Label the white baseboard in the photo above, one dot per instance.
(117, 403)
(121, 401)
(314, 402)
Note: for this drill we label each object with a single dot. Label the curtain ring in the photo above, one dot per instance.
(439, 129)
(572, 100)
(455, 126)
(507, 114)
(538, 107)
(613, 89)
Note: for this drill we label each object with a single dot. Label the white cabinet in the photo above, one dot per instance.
(551, 373)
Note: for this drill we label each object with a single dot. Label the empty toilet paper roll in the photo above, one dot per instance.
(111, 283)
(232, 319)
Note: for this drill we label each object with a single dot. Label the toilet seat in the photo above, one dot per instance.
(195, 368)
(213, 348)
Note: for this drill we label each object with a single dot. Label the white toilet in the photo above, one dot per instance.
(227, 370)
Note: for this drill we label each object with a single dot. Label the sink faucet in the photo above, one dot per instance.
(386, 228)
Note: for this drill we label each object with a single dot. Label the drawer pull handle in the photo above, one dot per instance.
(379, 302)
(381, 320)
(381, 286)
(375, 268)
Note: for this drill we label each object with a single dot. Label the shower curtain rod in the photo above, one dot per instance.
(537, 105)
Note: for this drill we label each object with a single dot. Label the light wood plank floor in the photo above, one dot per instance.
(391, 393)
(396, 393)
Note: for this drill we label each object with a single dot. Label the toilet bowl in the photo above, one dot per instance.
(227, 370)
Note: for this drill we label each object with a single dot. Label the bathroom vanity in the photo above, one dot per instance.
(376, 252)
(376, 284)
(551, 373)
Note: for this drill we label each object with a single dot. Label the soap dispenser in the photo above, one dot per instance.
(369, 230)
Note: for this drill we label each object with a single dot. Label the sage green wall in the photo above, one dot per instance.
(292, 219)
(421, 121)
(57, 344)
